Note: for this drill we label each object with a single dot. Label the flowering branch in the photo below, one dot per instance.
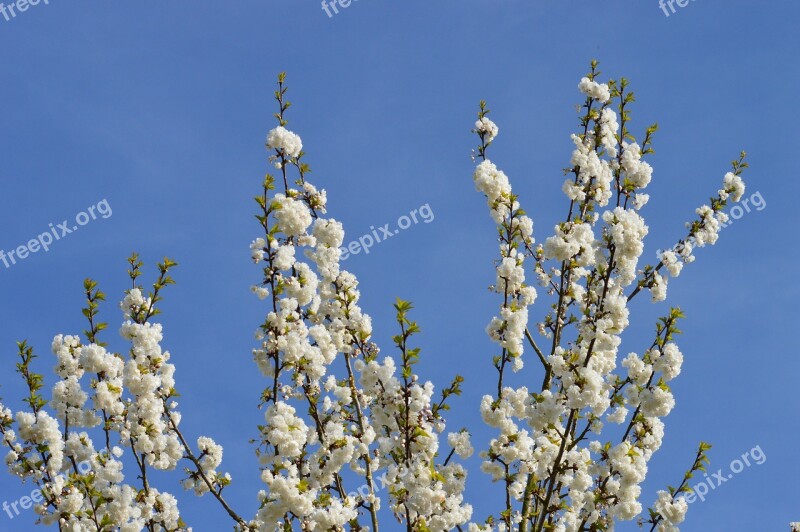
(336, 410)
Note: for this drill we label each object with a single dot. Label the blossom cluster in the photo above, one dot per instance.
(130, 398)
(571, 454)
(370, 420)
(560, 473)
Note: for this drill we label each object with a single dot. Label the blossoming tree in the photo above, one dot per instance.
(342, 422)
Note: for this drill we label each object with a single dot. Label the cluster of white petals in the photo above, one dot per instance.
(558, 471)
(347, 431)
(284, 141)
(594, 90)
(82, 484)
(323, 430)
(672, 509)
(487, 128)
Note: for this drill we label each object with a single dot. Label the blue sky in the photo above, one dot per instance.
(162, 109)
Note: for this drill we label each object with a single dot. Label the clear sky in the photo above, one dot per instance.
(161, 108)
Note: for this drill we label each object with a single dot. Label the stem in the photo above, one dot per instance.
(192, 458)
(361, 427)
(547, 367)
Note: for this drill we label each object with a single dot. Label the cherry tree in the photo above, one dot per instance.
(348, 430)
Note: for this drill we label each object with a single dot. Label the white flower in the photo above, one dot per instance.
(488, 128)
(608, 131)
(658, 289)
(619, 415)
(284, 257)
(460, 443)
(491, 181)
(671, 261)
(627, 230)
(670, 362)
(640, 200)
(283, 140)
(260, 291)
(708, 233)
(657, 402)
(594, 90)
(732, 184)
(210, 452)
(285, 430)
(293, 217)
(673, 511)
(637, 172)
(570, 240)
